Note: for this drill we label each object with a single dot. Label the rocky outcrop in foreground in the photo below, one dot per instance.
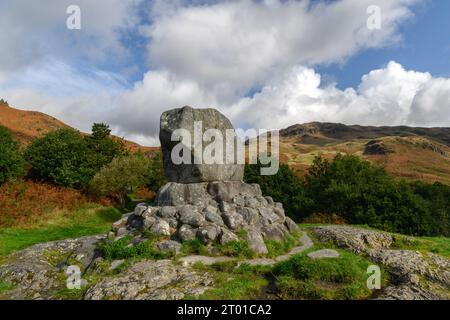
(415, 275)
(39, 271)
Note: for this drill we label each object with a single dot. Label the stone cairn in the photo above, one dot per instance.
(206, 202)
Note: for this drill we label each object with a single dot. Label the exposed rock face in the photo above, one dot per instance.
(376, 147)
(39, 273)
(184, 118)
(406, 267)
(36, 272)
(324, 253)
(151, 280)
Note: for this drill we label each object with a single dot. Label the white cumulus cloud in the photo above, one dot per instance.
(211, 55)
(387, 96)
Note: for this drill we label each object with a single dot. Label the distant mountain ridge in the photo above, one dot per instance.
(341, 131)
(406, 152)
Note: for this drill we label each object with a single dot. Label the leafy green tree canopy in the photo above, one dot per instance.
(12, 164)
(121, 176)
(69, 158)
(61, 156)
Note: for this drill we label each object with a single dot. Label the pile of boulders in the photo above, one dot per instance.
(209, 202)
(213, 212)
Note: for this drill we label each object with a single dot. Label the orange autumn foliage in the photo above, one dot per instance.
(25, 201)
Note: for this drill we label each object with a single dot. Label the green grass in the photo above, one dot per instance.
(120, 249)
(238, 249)
(278, 248)
(82, 222)
(339, 278)
(69, 294)
(437, 245)
(5, 286)
(243, 283)
(194, 247)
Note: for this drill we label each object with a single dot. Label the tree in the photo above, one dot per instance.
(104, 148)
(12, 164)
(156, 178)
(363, 193)
(2, 101)
(284, 187)
(61, 156)
(100, 131)
(120, 177)
(68, 158)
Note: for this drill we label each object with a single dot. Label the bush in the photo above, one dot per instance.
(120, 177)
(68, 158)
(238, 249)
(353, 190)
(284, 187)
(194, 247)
(121, 249)
(156, 178)
(363, 193)
(62, 157)
(24, 203)
(12, 164)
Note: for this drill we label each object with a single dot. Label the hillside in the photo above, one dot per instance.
(406, 152)
(27, 125)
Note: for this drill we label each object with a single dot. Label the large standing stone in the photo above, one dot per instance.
(184, 118)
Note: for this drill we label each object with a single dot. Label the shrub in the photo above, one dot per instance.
(194, 247)
(12, 163)
(103, 148)
(277, 248)
(120, 177)
(156, 178)
(284, 187)
(68, 158)
(352, 190)
(363, 193)
(24, 203)
(238, 249)
(62, 157)
(121, 249)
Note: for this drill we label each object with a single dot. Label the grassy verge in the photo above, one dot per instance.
(437, 245)
(90, 220)
(232, 283)
(5, 286)
(120, 249)
(278, 248)
(341, 278)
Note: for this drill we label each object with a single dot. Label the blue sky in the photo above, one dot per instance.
(426, 48)
(265, 64)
